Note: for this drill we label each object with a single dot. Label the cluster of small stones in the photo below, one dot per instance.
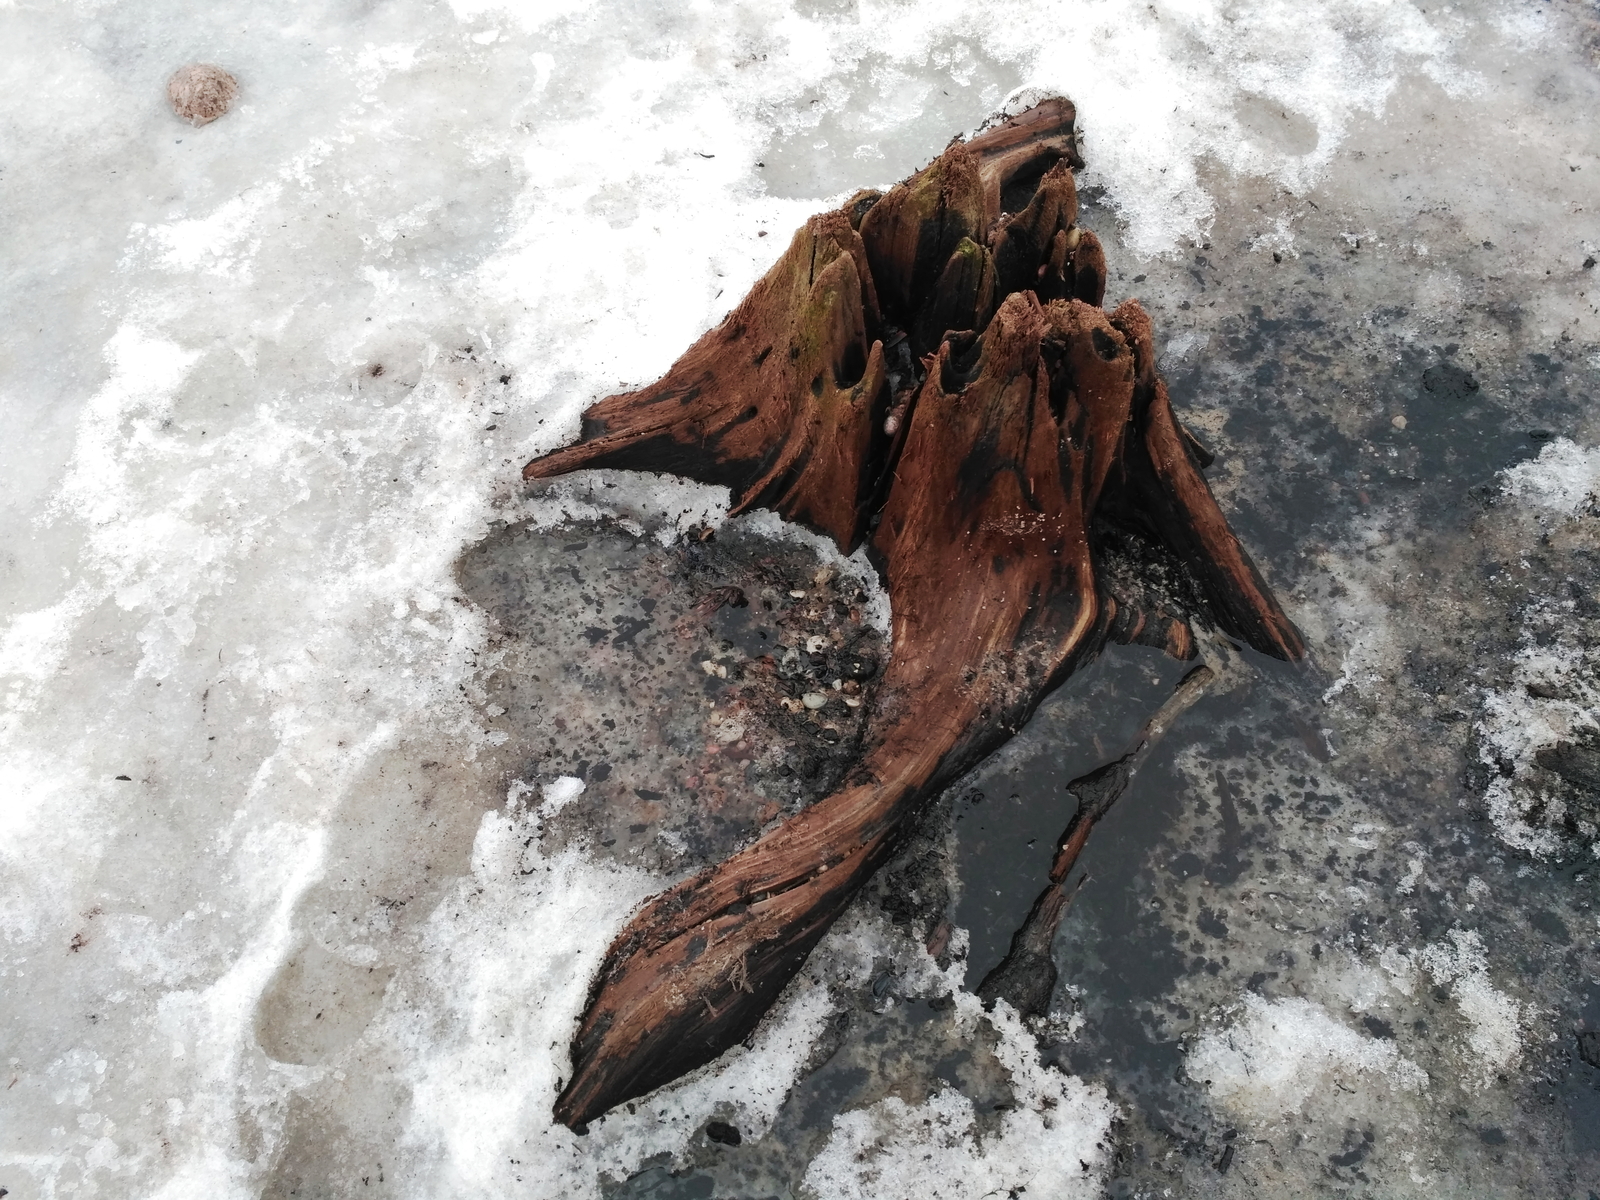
(700, 690)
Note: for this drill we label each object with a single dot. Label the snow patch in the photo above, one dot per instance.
(559, 793)
(1053, 1143)
(1565, 478)
(1267, 1063)
(1495, 1020)
(1553, 697)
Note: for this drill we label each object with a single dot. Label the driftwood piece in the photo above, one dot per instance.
(930, 365)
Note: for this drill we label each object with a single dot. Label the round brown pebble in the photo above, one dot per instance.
(200, 92)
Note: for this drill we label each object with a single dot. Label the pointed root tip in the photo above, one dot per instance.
(575, 1111)
(1277, 638)
(559, 462)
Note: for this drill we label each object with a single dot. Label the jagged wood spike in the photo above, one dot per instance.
(1088, 269)
(911, 233)
(1015, 152)
(1038, 234)
(1163, 489)
(964, 297)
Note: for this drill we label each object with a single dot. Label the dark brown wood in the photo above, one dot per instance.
(785, 401)
(979, 462)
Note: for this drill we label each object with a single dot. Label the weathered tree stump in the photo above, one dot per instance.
(931, 367)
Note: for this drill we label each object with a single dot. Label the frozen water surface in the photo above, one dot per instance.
(313, 824)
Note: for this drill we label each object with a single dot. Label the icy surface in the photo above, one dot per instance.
(1551, 701)
(269, 920)
(524, 926)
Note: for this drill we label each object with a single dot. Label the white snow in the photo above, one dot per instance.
(1276, 1054)
(1553, 694)
(1565, 478)
(1494, 1020)
(1517, 724)
(264, 381)
(1051, 1143)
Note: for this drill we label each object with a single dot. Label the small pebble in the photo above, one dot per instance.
(200, 92)
(1398, 422)
(815, 643)
(813, 700)
(852, 702)
(798, 595)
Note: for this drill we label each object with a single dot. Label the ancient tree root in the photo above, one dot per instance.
(930, 365)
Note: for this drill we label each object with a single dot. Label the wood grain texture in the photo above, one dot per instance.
(977, 465)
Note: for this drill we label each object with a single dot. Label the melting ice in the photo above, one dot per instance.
(264, 382)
